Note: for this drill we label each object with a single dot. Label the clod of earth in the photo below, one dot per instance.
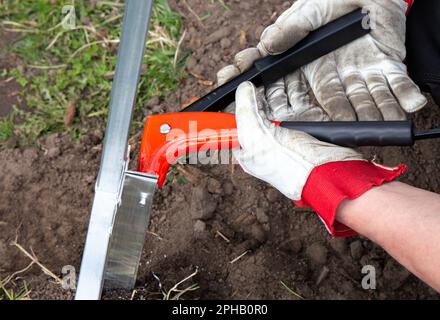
(202, 204)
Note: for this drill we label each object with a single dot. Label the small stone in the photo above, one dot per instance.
(218, 35)
(228, 188)
(225, 43)
(261, 216)
(272, 195)
(356, 249)
(258, 233)
(202, 205)
(317, 253)
(214, 186)
(339, 245)
(157, 109)
(199, 226)
(394, 274)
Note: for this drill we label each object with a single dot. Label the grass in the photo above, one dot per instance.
(10, 294)
(74, 67)
(175, 293)
(6, 128)
(293, 293)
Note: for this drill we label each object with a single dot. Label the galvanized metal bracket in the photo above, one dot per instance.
(114, 159)
(130, 226)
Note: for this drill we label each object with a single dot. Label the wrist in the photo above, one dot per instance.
(330, 184)
(363, 213)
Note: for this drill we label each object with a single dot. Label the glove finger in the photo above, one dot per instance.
(299, 20)
(226, 74)
(252, 124)
(277, 99)
(406, 91)
(326, 84)
(360, 98)
(302, 108)
(384, 99)
(242, 62)
(245, 59)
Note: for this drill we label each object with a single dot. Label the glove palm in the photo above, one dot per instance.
(365, 80)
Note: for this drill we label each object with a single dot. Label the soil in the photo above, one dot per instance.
(209, 222)
(9, 88)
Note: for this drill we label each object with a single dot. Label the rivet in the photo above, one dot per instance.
(165, 128)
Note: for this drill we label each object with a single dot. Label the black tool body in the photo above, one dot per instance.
(319, 43)
(267, 70)
(358, 134)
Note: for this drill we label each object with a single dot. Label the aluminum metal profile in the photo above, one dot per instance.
(114, 157)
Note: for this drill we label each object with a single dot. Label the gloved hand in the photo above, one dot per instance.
(282, 157)
(365, 80)
(311, 172)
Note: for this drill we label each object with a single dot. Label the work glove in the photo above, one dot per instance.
(365, 80)
(282, 157)
(304, 169)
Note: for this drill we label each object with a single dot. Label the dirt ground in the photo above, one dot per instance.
(9, 88)
(219, 214)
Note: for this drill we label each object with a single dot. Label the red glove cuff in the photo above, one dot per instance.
(331, 183)
(409, 3)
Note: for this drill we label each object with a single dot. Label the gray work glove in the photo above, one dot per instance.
(364, 80)
(282, 157)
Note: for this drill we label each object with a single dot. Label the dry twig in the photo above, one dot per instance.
(35, 260)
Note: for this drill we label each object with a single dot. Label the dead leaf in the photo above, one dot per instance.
(190, 101)
(109, 75)
(243, 38)
(195, 75)
(69, 115)
(14, 94)
(207, 83)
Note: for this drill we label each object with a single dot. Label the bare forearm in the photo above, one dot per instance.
(405, 221)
